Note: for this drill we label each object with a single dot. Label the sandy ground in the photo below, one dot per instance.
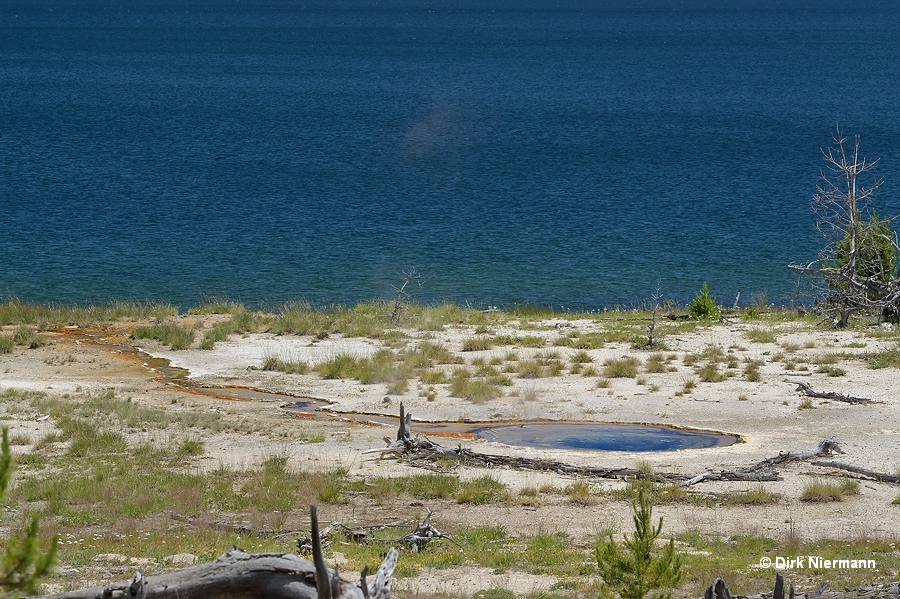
(768, 420)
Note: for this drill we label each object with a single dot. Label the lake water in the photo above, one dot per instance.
(574, 154)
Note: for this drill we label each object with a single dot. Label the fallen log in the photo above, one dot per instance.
(240, 575)
(880, 476)
(823, 449)
(805, 389)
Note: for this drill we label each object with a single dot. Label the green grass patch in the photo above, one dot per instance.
(760, 336)
(274, 363)
(474, 389)
(46, 316)
(241, 321)
(710, 373)
(419, 486)
(168, 334)
(482, 490)
(752, 372)
(758, 495)
(889, 358)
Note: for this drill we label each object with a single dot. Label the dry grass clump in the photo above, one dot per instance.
(757, 496)
(760, 336)
(624, 367)
(544, 364)
(751, 371)
(656, 363)
(476, 389)
(822, 491)
(477, 344)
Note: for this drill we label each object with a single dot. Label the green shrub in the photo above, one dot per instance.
(703, 306)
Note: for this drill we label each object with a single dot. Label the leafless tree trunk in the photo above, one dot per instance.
(411, 284)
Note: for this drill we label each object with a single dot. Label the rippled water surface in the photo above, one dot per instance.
(566, 153)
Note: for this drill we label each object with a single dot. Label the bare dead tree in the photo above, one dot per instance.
(858, 264)
(651, 328)
(412, 283)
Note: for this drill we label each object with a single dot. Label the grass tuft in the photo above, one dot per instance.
(625, 367)
(822, 491)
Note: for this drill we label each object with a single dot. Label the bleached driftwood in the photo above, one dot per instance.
(422, 534)
(806, 390)
(240, 575)
(880, 476)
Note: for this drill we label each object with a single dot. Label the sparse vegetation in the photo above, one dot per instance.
(889, 358)
(80, 477)
(485, 489)
(752, 372)
(475, 389)
(477, 344)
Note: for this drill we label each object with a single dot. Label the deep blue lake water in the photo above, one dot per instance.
(566, 153)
